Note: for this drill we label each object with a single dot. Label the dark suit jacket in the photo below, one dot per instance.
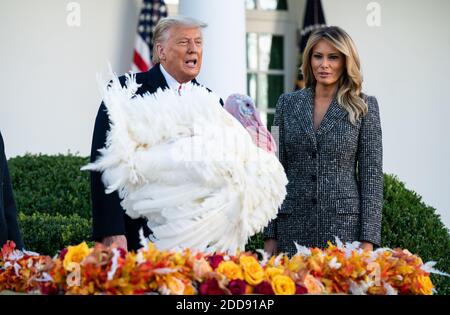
(335, 174)
(109, 218)
(9, 229)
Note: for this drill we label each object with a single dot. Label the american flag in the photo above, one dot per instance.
(152, 11)
(314, 19)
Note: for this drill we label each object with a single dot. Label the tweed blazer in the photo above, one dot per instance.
(335, 174)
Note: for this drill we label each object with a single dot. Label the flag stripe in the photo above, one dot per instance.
(139, 62)
(152, 11)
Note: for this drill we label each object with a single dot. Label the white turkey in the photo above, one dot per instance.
(189, 167)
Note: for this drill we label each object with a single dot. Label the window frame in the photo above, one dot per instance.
(279, 23)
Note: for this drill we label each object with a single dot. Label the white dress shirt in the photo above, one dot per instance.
(172, 82)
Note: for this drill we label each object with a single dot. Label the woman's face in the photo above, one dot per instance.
(327, 63)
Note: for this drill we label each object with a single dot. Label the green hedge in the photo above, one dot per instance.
(53, 197)
(51, 184)
(409, 223)
(47, 234)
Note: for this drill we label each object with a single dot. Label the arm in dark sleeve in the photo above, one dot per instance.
(107, 213)
(13, 231)
(370, 170)
(271, 230)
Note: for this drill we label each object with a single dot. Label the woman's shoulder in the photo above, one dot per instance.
(369, 99)
(372, 104)
(296, 96)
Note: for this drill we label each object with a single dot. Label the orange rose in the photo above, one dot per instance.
(271, 272)
(313, 285)
(75, 254)
(283, 285)
(230, 269)
(253, 272)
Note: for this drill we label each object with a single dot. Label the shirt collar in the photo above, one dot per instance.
(171, 81)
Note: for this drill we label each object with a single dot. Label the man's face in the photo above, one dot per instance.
(181, 54)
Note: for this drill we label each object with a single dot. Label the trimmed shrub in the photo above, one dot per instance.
(51, 184)
(409, 223)
(47, 234)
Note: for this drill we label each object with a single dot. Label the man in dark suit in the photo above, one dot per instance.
(9, 229)
(177, 54)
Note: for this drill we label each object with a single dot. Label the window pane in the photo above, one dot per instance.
(277, 53)
(271, 52)
(270, 118)
(273, 5)
(252, 86)
(262, 92)
(250, 4)
(252, 51)
(275, 89)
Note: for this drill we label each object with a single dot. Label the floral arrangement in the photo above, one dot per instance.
(338, 269)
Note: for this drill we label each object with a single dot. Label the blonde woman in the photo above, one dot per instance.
(331, 148)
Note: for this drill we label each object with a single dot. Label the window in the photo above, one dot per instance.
(268, 5)
(265, 72)
(271, 53)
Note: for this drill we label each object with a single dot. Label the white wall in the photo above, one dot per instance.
(406, 65)
(48, 90)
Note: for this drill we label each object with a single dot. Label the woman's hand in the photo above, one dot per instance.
(367, 246)
(270, 246)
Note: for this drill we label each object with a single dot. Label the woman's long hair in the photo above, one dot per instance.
(350, 84)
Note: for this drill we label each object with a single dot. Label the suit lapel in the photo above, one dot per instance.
(303, 110)
(334, 114)
(155, 79)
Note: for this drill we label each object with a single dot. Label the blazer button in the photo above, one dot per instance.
(314, 154)
(314, 201)
(314, 178)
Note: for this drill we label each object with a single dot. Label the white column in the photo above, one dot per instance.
(224, 52)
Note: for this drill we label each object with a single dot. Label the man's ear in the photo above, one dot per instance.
(160, 52)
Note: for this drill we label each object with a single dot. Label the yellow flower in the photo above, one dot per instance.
(75, 254)
(283, 285)
(230, 269)
(176, 286)
(296, 264)
(425, 285)
(271, 272)
(253, 272)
